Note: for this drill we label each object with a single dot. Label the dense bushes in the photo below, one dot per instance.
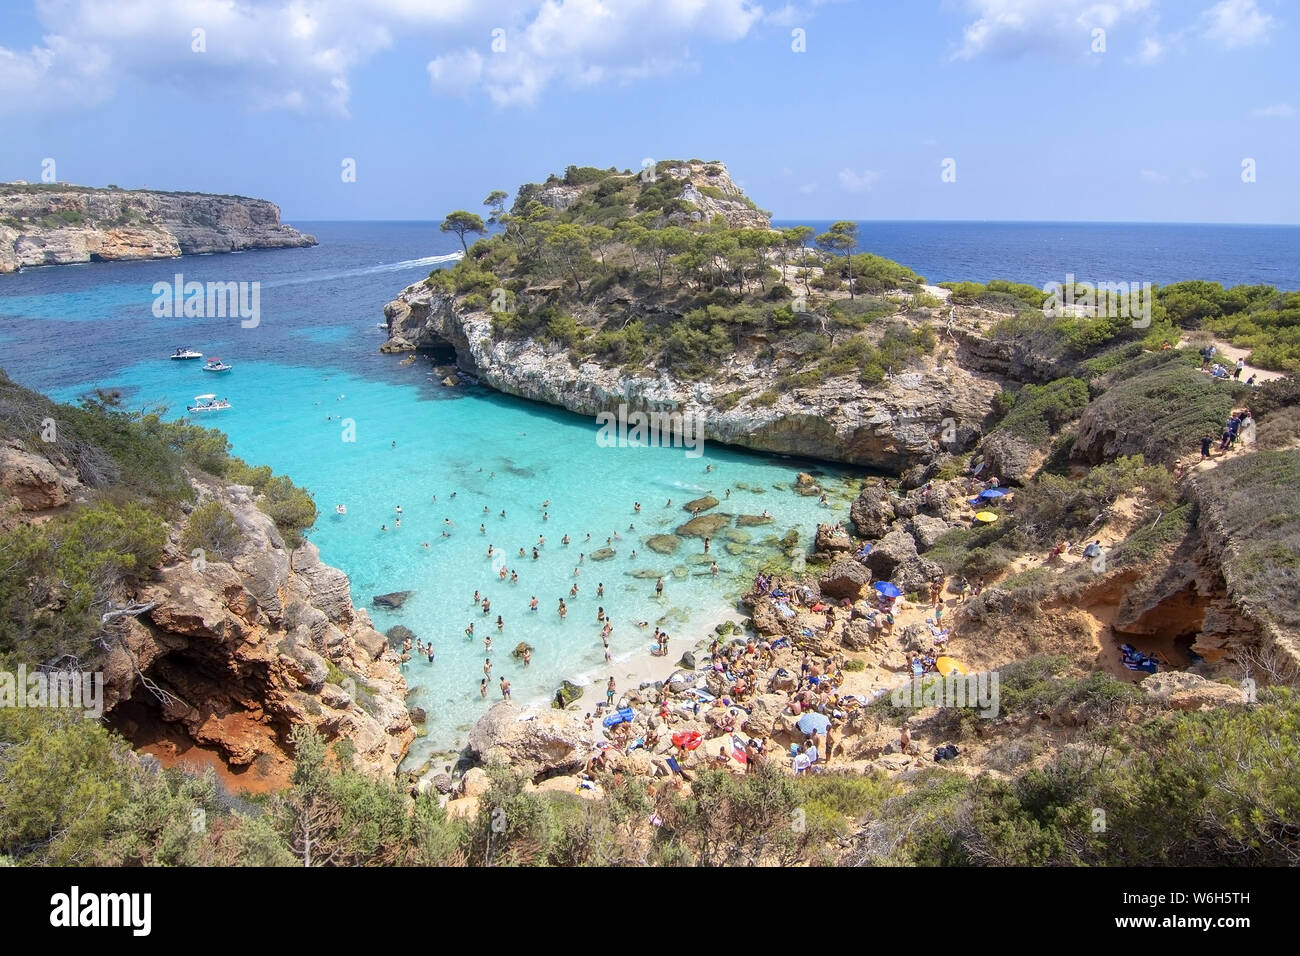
(1254, 500)
(59, 576)
(1039, 411)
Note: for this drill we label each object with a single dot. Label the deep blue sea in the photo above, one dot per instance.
(313, 361)
(1042, 252)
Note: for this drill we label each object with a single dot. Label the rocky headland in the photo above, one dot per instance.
(58, 224)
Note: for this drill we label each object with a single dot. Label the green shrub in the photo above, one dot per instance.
(212, 528)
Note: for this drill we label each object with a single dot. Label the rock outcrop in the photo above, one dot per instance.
(58, 224)
(550, 741)
(235, 654)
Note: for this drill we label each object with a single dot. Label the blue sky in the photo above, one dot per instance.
(1041, 121)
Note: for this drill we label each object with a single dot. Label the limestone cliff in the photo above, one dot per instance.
(58, 224)
(893, 425)
(230, 654)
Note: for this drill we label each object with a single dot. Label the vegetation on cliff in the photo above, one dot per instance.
(62, 575)
(678, 271)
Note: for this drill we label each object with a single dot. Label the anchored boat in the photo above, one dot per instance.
(208, 403)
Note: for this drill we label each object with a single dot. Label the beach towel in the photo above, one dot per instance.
(673, 765)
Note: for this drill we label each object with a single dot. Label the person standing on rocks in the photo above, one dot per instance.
(609, 691)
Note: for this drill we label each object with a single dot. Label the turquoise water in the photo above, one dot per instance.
(313, 361)
(505, 455)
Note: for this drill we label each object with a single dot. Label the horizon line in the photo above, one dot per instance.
(288, 220)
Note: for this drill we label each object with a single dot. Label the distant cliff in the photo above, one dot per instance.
(59, 224)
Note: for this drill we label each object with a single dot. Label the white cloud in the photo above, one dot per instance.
(856, 182)
(1276, 111)
(300, 54)
(1237, 23)
(1153, 176)
(807, 188)
(1014, 27)
(1151, 50)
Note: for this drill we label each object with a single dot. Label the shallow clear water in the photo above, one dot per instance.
(310, 369)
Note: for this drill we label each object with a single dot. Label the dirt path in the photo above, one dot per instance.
(1233, 353)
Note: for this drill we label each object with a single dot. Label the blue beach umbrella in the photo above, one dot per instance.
(887, 589)
(992, 493)
(813, 723)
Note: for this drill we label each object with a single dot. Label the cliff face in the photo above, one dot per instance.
(888, 426)
(892, 426)
(55, 225)
(231, 654)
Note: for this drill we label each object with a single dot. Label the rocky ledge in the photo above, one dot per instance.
(59, 224)
(900, 422)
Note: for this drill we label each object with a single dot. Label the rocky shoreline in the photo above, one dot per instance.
(58, 224)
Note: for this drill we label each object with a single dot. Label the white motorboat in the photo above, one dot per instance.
(215, 364)
(208, 403)
(183, 353)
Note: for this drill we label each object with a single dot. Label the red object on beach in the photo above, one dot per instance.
(687, 740)
(738, 749)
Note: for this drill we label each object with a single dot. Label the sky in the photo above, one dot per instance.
(1109, 110)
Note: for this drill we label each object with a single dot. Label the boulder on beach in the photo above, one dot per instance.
(704, 526)
(764, 714)
(696, 505)
(895, 549)
(567, 693)
(845, 578)
(746, 521)
(393, 599)
(687, 661)
(831, 540)
(872, 512)
(602, 554)
(927, 530)
(663, 543)
(543, 743)
(418, 716)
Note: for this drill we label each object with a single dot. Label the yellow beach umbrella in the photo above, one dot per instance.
(947, 665)
(986, 516)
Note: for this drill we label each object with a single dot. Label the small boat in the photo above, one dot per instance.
(183, 353)
(215, 364)
(208, 403)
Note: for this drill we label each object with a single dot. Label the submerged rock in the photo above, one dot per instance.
(567, 693)
(394, 599)
(602, 554)
(746, 521)
(704, 526)
(700, 504)
(663, 543)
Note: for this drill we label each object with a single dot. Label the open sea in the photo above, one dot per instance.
(313, 361)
